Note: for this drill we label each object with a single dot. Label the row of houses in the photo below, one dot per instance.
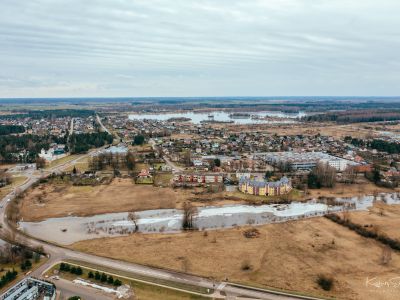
(195, 178)
(265, 188)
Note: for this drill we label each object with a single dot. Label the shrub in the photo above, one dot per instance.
(246, 266)
(97, 275)
(79, 271)
(325, 282)
(91, 275)
(117, 282)
(62, 267)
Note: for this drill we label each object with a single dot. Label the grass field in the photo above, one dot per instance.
(81, 165)
(294, 195)
(363, 187)
(288, 256)
(61, 161)
(15, 181)
(60, 198)
(382, 218)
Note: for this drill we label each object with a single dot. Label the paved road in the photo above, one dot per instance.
(57, 254)
(69, 289)
(101, 124)
(173, 166)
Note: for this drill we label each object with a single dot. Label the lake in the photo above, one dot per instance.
(221, 116)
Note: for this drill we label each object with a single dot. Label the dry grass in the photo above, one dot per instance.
(63, 199)
(81, 165)
(15, 181)
(121, 195)
(384, 219)
(62, 160)
(326, 129)
(288, 256)
(364, 187)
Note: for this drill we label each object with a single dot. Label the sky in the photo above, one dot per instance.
(135, 48)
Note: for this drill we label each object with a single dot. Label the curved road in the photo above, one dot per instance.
(57, 254)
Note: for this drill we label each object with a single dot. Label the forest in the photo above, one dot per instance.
(353, 116)
(380, 145)
(9, 129)
(81, 143)
(28, 145)
(51, 113)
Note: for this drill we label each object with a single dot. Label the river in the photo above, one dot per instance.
(71, 229)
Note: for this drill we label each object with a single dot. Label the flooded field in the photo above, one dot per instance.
(197, 118)
(68, 230)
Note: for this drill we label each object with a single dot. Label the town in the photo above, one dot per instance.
(212, 176)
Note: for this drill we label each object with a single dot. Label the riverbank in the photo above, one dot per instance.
(306, 248)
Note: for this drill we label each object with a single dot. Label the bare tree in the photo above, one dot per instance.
(189, 212)
(133, 217)
(386, 255)
(40, 163)
(187, 158)
(323, 175)
(349, 175)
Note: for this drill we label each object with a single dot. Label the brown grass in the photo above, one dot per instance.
(15, 181)
(384, 219)
(364, 187)
(119, 196)
(58, 200)
(287, 256)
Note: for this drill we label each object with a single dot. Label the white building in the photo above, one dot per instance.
(305, 160)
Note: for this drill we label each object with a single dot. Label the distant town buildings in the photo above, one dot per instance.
(195, 179)
(265, 188)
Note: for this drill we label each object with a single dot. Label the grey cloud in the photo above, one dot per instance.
(198, 48)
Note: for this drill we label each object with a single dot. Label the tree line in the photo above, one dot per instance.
(102, 277)
(354, 116)
(30, 144)
(378, 144)
(51, 113)
(9, 129)
(81, 143)
(114, 160)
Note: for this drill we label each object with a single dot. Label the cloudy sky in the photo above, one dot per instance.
(54, 48)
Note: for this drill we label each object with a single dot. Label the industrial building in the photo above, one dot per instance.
(305, 160)
(30, 289)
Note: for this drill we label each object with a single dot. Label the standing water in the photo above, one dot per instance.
(68, 230)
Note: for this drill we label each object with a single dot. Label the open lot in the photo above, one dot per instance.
(121, 195)
(287, 256)
(359, 130)
(56, 200)
(363, 187)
